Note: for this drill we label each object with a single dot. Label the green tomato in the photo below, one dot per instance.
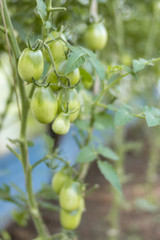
(73, 103)
(70, 220)
(70, 196)
(44, 105)
(74, 76)
(60, 178)
(52, 78)
(96, 36)
(30, 65)
(126, 59)
(82, 205)
(61, 124)
(57, 47)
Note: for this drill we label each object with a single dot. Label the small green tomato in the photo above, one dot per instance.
(61, 124)
(60, 178)
(44, 105)
(70, 220)
(73, 103)
(30, 65)
(96, 36)
(57, 47)
(70, 196)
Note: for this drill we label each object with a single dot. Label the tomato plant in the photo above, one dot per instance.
(73, 87)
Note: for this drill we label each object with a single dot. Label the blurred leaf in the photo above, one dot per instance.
(5, 235)
(21, 217)
(86, 154)
(109, 173)
(49, 206)
(78, 54)
(75, 60)
(139, 64)
(108, 153)
(82, 125)
(103, 121)
(145, 205)
(41, 8)
(122, 117)
(95, 62)
(152, 116)
(47, 192)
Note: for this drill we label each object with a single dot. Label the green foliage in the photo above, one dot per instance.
(78, 57)
(108, 153)
(152, 116)
(109, 173)
(122, 116)
(86, 154)
(21, 217)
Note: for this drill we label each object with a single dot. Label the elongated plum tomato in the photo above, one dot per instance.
(60, 178)
(74, 76)
(30, 64)
(96, 36)
(70, 196)
(61, 124)
(70, 220)
(44, 105)
(57, 47)
(73, 103)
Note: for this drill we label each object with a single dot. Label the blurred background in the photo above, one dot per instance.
(134, 32)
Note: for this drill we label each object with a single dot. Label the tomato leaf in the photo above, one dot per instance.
(86, 154)
(139, 64)
(103, 121)
(109, 173)
(95, 62)
(122, 117)
(21, 217)
(145, 205)
(108, 153)
(75, 60)
(152, 116)
(41, 8)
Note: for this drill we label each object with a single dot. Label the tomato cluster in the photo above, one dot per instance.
(57, 100)
(70, 198)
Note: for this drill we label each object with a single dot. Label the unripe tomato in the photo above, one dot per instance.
(61, 124)
(52, 78)
(60, 178)
(44, 105)
(70, 220)
(82, 205)
(57, 47)
(96, 36)
(126, 59)
(70, 196)
(73, 103)
(73, 76)
(30, 64)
